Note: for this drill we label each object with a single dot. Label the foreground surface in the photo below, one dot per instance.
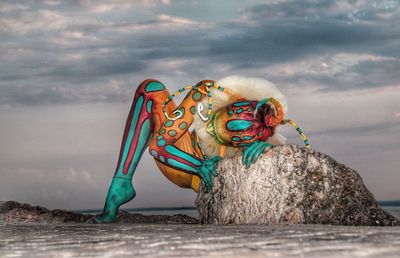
(149, 240)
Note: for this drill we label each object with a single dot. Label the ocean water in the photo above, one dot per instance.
(394, 210)
(191, 211)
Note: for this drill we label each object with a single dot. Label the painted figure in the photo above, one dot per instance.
(242, 115)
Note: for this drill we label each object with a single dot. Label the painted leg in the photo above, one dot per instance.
(165, 146)
(139, 130)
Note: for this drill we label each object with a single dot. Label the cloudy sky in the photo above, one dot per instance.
(68, 70)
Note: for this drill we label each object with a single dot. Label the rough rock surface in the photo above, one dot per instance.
(16, 213)
(289, 184)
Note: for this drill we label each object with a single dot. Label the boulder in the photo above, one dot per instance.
(18, 213)
(290, 185)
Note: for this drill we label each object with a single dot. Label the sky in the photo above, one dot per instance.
(68, 71)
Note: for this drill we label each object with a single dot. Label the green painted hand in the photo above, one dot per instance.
(251, 153)
(120, 192)
(207, 171)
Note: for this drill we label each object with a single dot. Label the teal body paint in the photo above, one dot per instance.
(169, 123)
(177, 152)
(153, 153)
(253, 152)
(154, 86)
(161, 143)
(132, 130)
(180, 165)
(172, 133)
(149, 106)
(240, 110)
(141, 146)
(238, 125)
(240, 104)
(247, 137)
(207, 171)
(236, 139)
(120, 192)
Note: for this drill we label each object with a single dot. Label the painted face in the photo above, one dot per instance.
(237, 125)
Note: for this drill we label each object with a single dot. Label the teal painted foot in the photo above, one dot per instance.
(207, 171)
(251, 153)
(121, 191)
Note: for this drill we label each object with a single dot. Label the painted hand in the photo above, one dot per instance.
(252, 152)
(207, 171)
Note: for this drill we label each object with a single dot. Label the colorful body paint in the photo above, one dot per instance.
(154, 122)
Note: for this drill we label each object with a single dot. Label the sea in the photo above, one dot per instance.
(393, 207)
(155, 240)
(190, 211)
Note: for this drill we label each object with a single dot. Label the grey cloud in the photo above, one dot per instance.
(375, 73)
(286, 31)
(362, 75)
(58, 94)
(93, 68)
(288, 9)
(264, 35)
(343, 10)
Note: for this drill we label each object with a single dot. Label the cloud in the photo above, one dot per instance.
(57, 55)
(290, 30)
(339, 72)
(107, 6)
(54, 49)
(347, 11)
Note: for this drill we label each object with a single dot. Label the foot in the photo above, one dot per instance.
(251, 153)
(121, 191)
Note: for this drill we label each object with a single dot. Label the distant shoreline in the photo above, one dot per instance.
(389, 203)
(192, 208)
(385, 203)
(188, 208)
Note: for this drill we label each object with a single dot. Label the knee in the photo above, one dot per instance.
(149, 86)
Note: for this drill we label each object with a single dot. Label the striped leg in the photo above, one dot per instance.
(142, 120)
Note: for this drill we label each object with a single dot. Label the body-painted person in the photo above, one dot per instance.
(237, 114)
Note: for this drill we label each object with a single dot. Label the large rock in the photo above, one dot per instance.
(289, 184)
(18, 213)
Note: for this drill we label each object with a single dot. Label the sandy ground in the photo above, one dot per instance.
(148, 240)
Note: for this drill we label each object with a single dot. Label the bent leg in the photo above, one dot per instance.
(139, 129)
(165, 147)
